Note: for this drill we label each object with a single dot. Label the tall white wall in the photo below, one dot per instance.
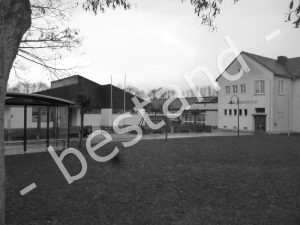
(296, 106)
(248, 100)
(282, 105)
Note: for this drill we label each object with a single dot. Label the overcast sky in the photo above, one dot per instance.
(159, 41)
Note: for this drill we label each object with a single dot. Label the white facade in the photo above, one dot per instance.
(90, 119)
(211, 118)
(268, 102)
(295, 89)
(208, 114)
(14, 118)
(105, 118)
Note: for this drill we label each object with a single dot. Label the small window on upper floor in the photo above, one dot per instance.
(234, 89)
(243, 88)
(227, 89)
(259, 87)
(280, 87)
(225, 112)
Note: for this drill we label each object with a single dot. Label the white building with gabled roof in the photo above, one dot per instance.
(269, 95)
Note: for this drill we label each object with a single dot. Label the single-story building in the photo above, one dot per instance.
(21, 126)
(203, 113)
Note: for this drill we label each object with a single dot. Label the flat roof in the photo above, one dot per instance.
(34, 100)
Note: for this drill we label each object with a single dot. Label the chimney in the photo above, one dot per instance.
(282, 60)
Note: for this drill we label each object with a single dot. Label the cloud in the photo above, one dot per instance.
(163, 40)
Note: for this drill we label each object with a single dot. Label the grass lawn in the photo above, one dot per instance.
(215, 180)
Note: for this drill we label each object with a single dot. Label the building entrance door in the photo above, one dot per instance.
(260, 123)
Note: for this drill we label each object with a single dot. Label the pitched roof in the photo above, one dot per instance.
(294, 66)
(205, 106)
(176, 104)
(290, 69)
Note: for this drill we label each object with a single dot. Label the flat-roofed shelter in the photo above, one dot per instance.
(38, 100)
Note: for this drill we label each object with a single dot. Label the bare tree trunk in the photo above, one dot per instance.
(38, 124)
(81, 127)
(15, 20)
(2, 165)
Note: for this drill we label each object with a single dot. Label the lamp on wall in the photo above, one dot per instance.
(238, 111)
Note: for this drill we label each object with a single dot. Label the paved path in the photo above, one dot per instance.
(18, 149)
(175, 135)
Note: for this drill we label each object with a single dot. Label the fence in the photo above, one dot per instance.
(36, 134)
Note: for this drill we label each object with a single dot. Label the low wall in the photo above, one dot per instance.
(93, 120)
(134, 120)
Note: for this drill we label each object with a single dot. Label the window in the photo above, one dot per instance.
(243, 88)
(189, 118)
(260, 110)
(35, 114)
(43, 114)
(235, 112)
(240, 112)
(235, 89)
(227, 89)
(230, 112)
(281, 87)
(246, 112)
(201, 118)
(259, 87)
(225, 112)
